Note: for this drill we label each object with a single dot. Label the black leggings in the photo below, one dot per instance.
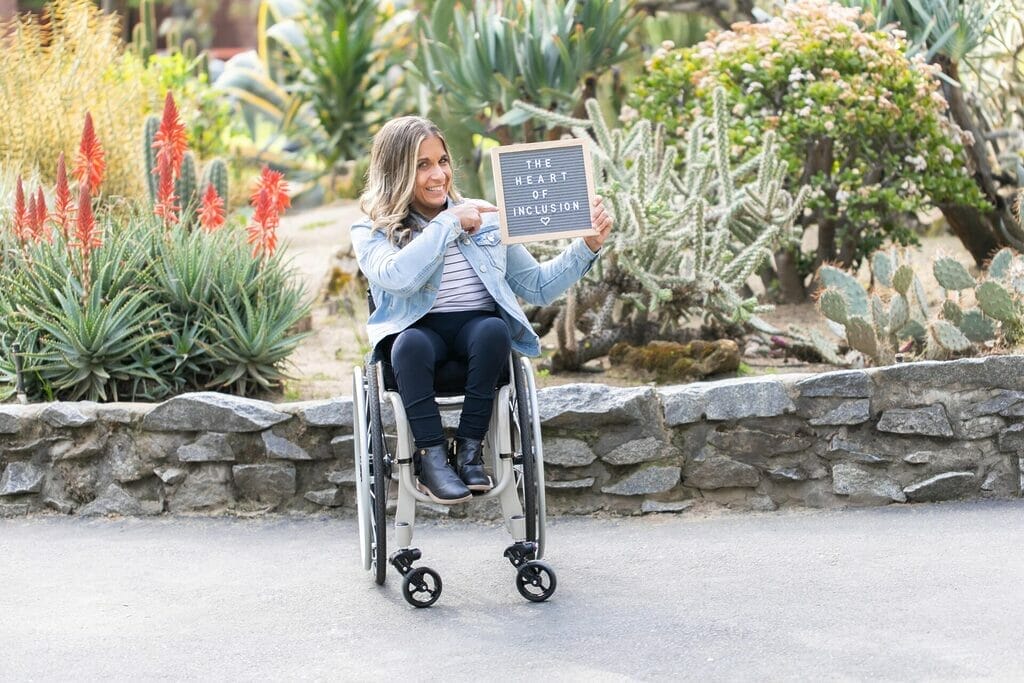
(478, 338)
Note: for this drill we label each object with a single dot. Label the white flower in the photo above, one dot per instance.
(749, 68)
(628, 114)
(917, 161)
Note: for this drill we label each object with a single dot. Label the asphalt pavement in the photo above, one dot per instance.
(906, 592)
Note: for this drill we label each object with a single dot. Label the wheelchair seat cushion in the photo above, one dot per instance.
(449, 377)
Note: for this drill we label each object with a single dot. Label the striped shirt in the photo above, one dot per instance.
(460, 288)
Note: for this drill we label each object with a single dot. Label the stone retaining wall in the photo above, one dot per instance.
(906, 433)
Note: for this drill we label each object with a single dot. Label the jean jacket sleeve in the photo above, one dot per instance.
(403, 271)
(542, 283)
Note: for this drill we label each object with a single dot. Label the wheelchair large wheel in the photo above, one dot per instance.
(528, 430)
(380, 477)
(360, 433)
(371, 474)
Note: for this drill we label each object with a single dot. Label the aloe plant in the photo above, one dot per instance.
(251, 335)
(79, 341)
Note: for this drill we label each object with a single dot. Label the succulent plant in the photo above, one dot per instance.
(687, 237)
(187, 189)
(894, 314)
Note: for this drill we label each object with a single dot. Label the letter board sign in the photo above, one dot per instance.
(544, 190)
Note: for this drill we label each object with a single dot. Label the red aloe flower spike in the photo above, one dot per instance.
(166, 206)
(211, 215)
(21, 216)
(31, 227)
(86, 237)
(42, 213)
(273, 181)
(89, 163)
(62, 208)
(263, 228)
(171, 139)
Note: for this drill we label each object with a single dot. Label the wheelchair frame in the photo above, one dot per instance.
(512, 447)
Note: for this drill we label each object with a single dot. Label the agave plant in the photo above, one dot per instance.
(321, 73)
(482, 58)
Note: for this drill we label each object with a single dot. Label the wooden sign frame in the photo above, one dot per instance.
(567, 231)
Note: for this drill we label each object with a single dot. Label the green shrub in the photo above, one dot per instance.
(854, 116)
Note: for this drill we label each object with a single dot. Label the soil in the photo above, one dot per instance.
(322, 365)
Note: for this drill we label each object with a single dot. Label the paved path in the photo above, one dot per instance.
(311, 237)
(905, 592)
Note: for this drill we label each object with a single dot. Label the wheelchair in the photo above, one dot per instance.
(512, 451)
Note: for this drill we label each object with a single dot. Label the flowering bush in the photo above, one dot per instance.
(113, 303)
(853, 115)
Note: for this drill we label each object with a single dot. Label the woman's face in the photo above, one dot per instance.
(433, 178)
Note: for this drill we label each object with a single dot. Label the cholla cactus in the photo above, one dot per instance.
(687, 237)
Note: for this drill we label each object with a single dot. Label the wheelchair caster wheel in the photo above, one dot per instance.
(421, 587)
(536, 581)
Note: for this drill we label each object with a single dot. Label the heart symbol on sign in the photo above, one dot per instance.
(545, 220)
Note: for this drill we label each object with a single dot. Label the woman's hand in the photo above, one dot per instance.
(602, 222)
(470, 213)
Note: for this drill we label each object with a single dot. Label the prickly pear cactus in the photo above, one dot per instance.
(951, 274)
(847, 285)
(996, 301)
(999, 266)
(832, 305)
(977, 326)
(894, 314)
(948, 337)
(952, 312)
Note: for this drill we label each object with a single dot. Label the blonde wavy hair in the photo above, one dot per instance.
(391, 178)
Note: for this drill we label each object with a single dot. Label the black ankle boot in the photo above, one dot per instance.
(437, 479)
(467, 454)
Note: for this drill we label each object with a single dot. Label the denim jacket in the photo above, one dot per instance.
(404, 281)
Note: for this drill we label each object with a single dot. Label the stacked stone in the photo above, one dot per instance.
(196, 453)
(918, 432)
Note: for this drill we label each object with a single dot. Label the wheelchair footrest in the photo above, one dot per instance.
(521, 552)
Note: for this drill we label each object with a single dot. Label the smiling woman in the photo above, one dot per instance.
(433, 178)
(444, 287)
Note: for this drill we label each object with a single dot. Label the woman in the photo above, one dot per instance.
(445, 287)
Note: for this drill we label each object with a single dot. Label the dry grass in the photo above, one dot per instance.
(51, 73)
